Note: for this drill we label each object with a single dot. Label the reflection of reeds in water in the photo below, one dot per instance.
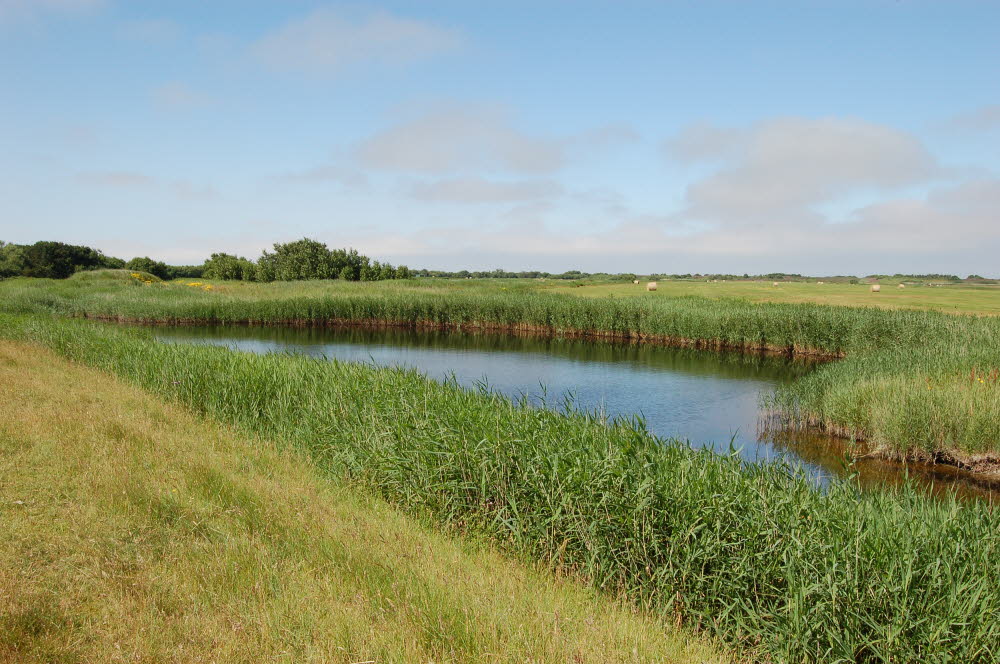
(854, 460)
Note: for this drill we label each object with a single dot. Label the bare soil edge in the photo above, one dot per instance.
(983, 465)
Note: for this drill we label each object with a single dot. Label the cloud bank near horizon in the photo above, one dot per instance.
(427, 140)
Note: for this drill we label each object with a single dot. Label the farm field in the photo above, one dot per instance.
(948, 298)
(170, 537)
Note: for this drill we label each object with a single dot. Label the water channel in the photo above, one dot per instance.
(708, 398)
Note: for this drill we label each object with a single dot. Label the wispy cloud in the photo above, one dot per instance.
(133, 180)
(326, 42)
(121, 179)
(952, 229)
(158, 32)
(347, 178)
(480, 190)
(466, 138)
(781, 168)
(179, 96)
(986, 118)
(13, 10)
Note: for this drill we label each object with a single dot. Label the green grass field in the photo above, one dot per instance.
(958, 298)
(752, 553)
(134, 530)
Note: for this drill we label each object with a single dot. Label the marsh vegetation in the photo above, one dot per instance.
(752, 553)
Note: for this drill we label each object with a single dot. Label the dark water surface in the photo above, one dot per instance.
(709, 398)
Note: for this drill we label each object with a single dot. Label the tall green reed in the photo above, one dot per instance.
(751, 552)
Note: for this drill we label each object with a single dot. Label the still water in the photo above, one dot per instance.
(708, 398)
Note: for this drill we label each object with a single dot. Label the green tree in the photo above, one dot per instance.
(57, 260)
(11, 260)
(147, 264)
(230, 267)
(264, 269)
(302, 259)
(370, 271)
(387, 272)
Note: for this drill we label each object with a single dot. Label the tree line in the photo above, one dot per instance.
(310, 259)
(302, 259)
(289, 261)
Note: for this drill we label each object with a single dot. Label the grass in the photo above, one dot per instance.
(137, 531)
(917, 384)
(752, 553)
(947, 298)
(135, 276)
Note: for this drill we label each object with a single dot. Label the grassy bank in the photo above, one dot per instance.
(752, 553)
(135, 531)
(913, 383)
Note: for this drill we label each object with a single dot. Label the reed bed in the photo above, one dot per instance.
(753, 553)
(912, 383)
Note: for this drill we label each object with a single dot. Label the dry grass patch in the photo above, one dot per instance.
(136, 531)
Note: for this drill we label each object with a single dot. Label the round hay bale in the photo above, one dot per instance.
(902, 286)
(876, 288)
(651, 286)
(635, 281)
(775, 283)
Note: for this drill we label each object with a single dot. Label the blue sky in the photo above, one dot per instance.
(814, 137)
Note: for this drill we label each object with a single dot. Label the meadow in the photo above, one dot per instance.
(750, 553)
(908, 383)
(945, 297)
(135, 530)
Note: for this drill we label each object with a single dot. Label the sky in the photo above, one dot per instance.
(670, 137)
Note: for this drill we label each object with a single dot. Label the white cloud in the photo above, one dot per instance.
(184, 189)
(150, 31)
(779, 169)
(951, 229)
(460, 139)
(705, 142)
(468, 138)
(480, 190)
(346, 177)
(986, 118)
(122, 179)
(326, 43)
(177, 95)
(192, 191)
(11, 10)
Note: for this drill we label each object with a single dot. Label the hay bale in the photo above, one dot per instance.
(820, 282)
(876, 288)
(775, 283)
(902, 286)
(635, 281)
(651, 286)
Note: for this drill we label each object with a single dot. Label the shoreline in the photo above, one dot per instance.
(981, 467)
(518, 329)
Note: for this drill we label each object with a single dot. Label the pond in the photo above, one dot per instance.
(710, 399)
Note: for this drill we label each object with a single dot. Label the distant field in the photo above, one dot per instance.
(948, 298)
(961, 298)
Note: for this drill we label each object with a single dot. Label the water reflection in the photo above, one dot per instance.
(709, 398)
